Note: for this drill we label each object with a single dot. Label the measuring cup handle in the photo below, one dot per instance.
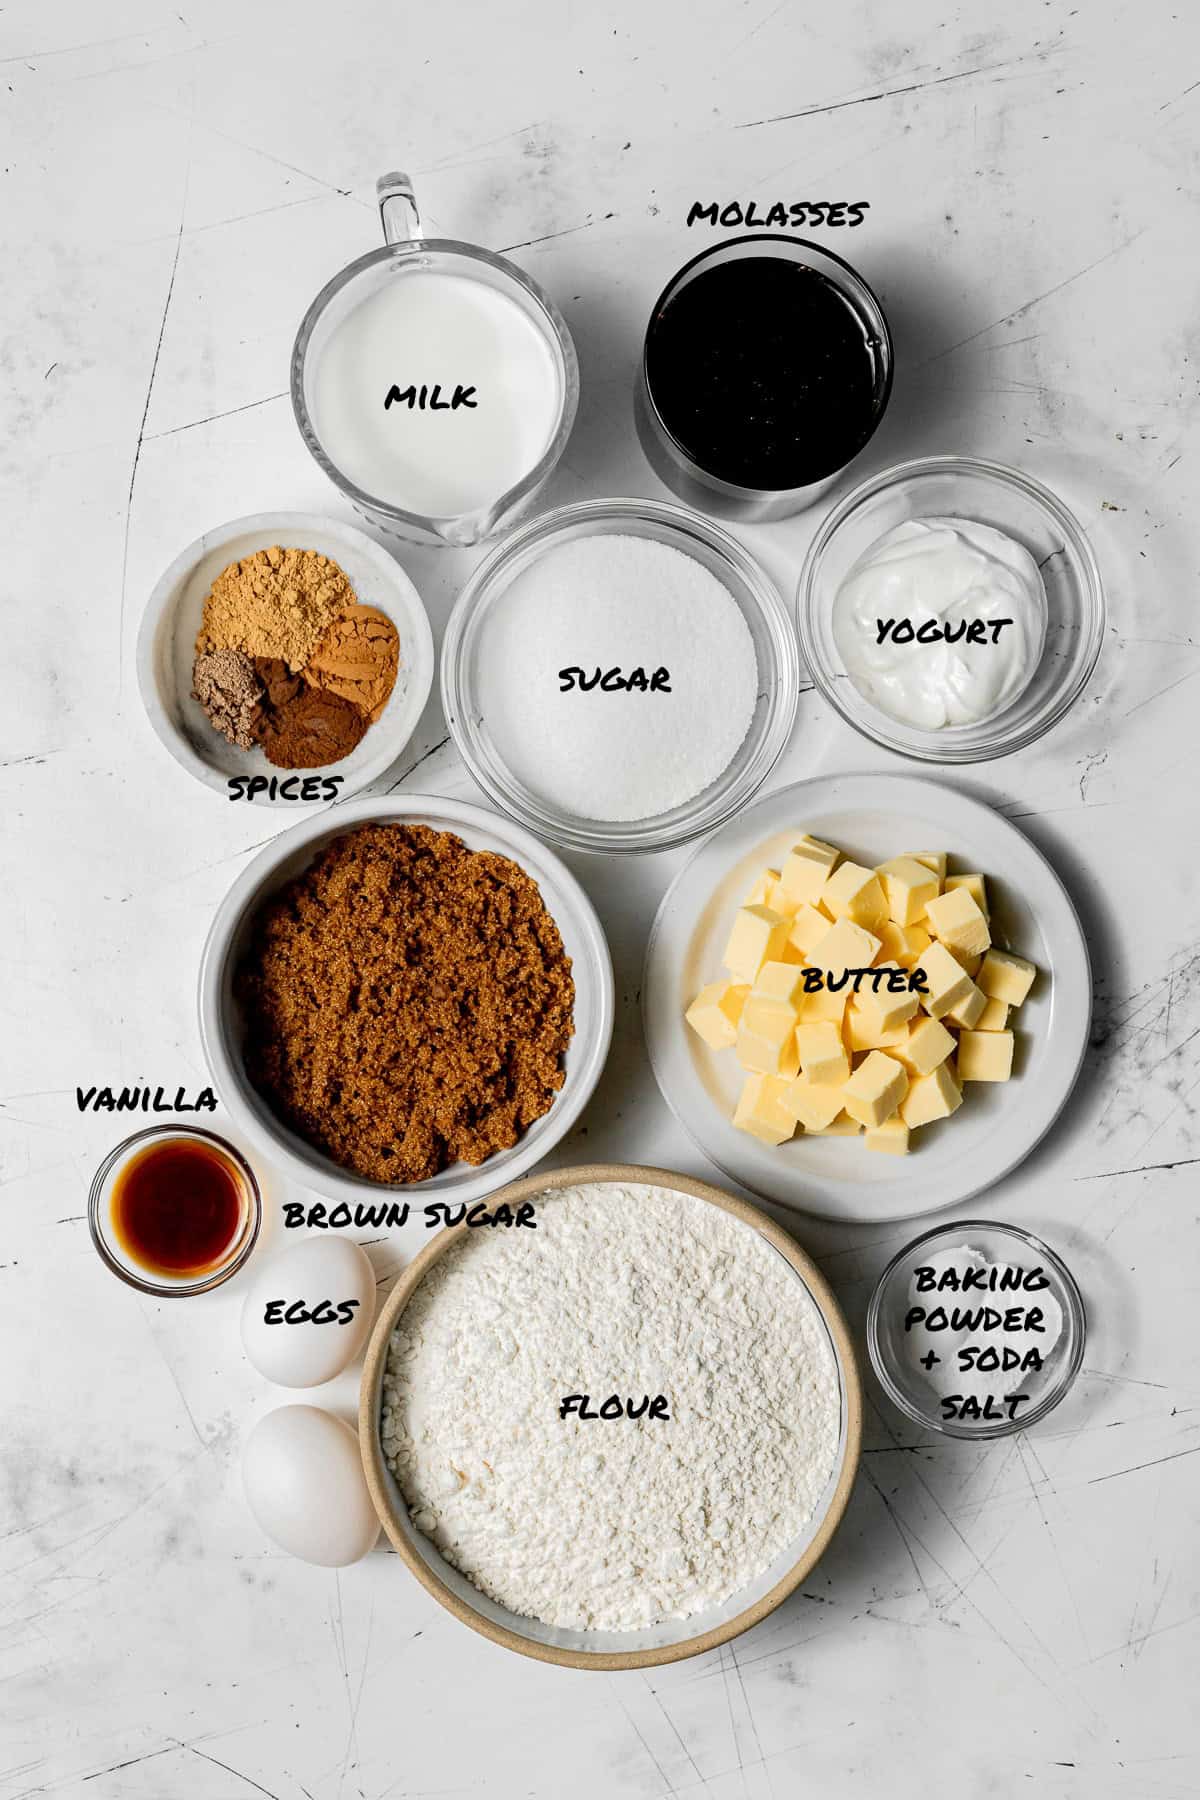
(398, 208)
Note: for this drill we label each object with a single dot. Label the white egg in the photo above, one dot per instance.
(304, 1483)
(309, 1311)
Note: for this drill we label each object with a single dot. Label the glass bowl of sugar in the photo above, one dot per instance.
(976, 1329)
(620, 675)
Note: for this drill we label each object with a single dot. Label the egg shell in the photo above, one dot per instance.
(304, 1484)
(304, 1354)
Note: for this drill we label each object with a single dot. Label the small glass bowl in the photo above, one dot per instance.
(756, 599)
(113, 1254)
(915, 1393)
(967, 488)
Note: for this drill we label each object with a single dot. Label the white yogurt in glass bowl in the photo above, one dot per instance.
(941, 622)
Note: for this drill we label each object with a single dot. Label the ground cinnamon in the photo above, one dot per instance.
(408, 1002)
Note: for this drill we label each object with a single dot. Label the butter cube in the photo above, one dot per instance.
(902, 943)
(883, 1008)
(779, 900)
(908, 887)
(975, 885)
(967, 1013)
(766, 1039)
(762, 888)
(808, 928)
(875, 1089)
(714, 1013)
(971, 964)
(937, 860)
(932, 1096)
(1006, 977)
(994, 1016)
(806, 868)
(956, 921)
(824, 1004)
(781, 983)
(822, 1053)
(761, 1110)
(758, 936)
(855, 893)
(862, 1033)
(929, 1043)
(842, 1126)
(985, 1055)
(891, 1137)
(844, 946)
(815, 1107)
(948, 981)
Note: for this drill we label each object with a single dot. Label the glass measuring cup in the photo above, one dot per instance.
(406, 251)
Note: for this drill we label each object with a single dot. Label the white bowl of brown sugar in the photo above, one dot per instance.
(406, 998)
(285, 658)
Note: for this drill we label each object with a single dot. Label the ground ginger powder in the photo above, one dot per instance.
(278, 602)
(408, 1003)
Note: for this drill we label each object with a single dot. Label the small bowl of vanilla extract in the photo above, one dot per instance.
(174, 1210)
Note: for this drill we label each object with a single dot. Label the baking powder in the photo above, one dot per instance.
(599, 1524)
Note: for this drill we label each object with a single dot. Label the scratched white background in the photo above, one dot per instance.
(179, 178)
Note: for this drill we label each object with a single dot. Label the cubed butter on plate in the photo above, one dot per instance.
(994, 1016)
(966, 1013)
(822, 1053)
(956, 921)
(930, 1097)
(855, 893)
(762, 1112)
(908, 887)
(762, 888)
(862, 1033)
(929, 1043)
(824, 1004)
(891, 1137)
(875, 1089)
(884, 1007)
(758, 936)
(844, 946)
(808, 928)
(766, 1039)
(1006, 977)
(714, 1013)
(780, 982)
(985, 1055)
(937, 860)
(806, 868)
(948, 982)
(842, 1126)
(975, 885)
(902, 943)
(815, 1107)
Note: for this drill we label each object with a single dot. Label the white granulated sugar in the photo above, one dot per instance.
(612, 1525)
(606, 602)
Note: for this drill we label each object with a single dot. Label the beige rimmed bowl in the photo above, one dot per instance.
(675, 1639)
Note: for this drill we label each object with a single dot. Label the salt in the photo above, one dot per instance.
(605, 751)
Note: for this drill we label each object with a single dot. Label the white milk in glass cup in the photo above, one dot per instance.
(435, 383)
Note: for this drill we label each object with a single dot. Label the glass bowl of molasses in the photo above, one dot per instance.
(174, 1210)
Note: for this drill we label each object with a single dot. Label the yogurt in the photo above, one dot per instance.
(437, 394)
(941, 622)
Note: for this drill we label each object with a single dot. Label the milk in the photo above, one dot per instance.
(437, 393)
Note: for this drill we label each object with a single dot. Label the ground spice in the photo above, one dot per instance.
(408, 1003)
(278, 602)
(310, 729)
(227, 687)
(358, 659)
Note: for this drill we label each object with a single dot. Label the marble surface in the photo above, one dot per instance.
(179, 180)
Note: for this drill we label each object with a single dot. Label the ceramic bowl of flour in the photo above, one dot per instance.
(166, 650)
(637, 1278)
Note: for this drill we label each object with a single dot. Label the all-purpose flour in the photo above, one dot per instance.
(599, 1524)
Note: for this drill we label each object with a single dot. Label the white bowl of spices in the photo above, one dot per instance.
(285, 658)
(620, 675)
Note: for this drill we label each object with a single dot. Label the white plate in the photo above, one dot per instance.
(222, 1026)
(872, 817)
(166, 649)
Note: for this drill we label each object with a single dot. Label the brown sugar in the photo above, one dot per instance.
(408, 1003)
